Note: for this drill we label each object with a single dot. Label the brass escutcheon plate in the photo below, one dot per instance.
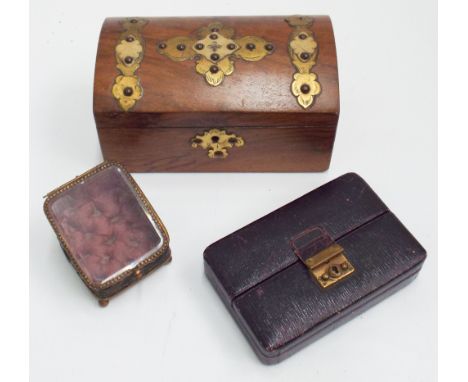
(217, 142)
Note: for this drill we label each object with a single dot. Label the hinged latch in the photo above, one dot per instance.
(324, 258)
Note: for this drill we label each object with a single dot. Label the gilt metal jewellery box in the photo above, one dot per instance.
(107, 228)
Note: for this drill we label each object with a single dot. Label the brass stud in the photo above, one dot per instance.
(214, 69)
(231, 46)
(215, 56)
(162, 45)
(305, 55)
(213, 36)
(128, 91)
(250, 46)
(181, 47)
(130, 39)
(269, 47)
(325, 277)
(344, 266)
(128, 60)
(305, 88)
(215, 139)
(232, 140)
(138, 274)
(302, 36)
(199, 46)
(215, 29)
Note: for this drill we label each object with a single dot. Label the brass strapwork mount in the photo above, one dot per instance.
(303, 51)
(129, 51)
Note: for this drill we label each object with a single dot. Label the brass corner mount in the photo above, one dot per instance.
(303, 52)
(129, 51)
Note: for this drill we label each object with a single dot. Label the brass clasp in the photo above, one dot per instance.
(329, 265)
(324, 258)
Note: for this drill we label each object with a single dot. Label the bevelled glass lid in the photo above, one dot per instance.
(105, 225)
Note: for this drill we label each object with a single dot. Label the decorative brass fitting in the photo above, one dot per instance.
(329, 265)
(129, 51)
(213, 47)
(303, 51)
(217, 142)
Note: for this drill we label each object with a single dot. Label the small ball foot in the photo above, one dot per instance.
(104, 302)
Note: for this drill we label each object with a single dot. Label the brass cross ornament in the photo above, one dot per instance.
(213, 48)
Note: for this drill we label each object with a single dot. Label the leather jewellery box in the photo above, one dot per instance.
(295, 274)
(217, 93)
(107, 228)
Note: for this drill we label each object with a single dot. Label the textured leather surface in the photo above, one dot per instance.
(310, 242)
(286, 306)
(270, 292)
(263, 248)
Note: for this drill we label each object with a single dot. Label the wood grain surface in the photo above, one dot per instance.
(254, 102)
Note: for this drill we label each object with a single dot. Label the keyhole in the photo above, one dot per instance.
(335, 271)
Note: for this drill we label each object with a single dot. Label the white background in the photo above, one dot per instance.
(172, 326)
